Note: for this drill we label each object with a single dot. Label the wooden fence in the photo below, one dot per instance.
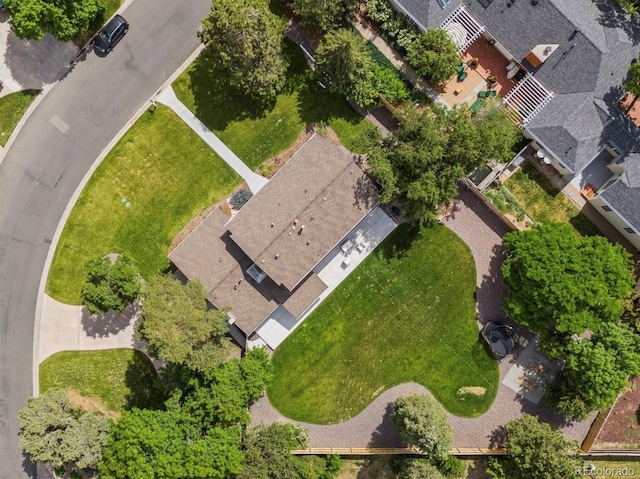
(385, 451)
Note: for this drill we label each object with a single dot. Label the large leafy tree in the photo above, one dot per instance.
(596, 370)
(247, 40)
(557, 280)
(499, 134)
(344, 65)
(419, 469)
(31, 19)
(110, 286)
(178, 326)
(146, 444)
(537, 450)
(54, 431)
(434, 55)
(322, 15)
(421, 163)
(422, 422)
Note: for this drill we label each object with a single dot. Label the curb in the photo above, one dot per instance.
(74, 198)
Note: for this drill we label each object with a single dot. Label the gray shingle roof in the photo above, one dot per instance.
(426, 13)
(625, 199)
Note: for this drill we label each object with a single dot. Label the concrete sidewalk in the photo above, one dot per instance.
(169, 98)
(65, 327)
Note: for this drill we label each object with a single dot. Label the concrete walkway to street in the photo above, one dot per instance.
(169, 98)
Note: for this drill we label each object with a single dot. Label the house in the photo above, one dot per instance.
(289, 245)
(572, 58)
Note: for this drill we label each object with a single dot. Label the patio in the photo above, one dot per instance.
(634, 112)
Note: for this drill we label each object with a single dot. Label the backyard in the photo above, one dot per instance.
(406, 314)
(111, 381)
(544, 202)
(13, 107)
(257, 133)
(157, 178)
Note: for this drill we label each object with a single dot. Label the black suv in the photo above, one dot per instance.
(110, 34)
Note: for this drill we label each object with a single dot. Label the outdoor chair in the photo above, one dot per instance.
(460, 68)
(483, 94)
(462, 76)
(476, 105)
(492, 93)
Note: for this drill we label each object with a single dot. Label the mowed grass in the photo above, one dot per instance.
(114, 379)
(407, 313)
(165, 174)
(544, 202)
(12, 108)
(256, 133)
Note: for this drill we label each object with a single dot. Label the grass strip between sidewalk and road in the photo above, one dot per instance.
(257, 133)
(12, 109)
(407, 313)
(155, 180)
(113, 380)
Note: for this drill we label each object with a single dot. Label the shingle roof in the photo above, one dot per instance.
(426, 13)
(625, 199)
(321, 188)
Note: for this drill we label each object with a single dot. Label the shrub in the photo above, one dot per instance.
(240, 198)
(110, 285)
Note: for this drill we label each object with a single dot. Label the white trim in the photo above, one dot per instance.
(528, 98)
(474, 28)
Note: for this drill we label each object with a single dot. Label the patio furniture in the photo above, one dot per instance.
(460, 68)
(347, 246)
(483, 94)
(346, 262)
(360, 247)
(477, 105)
(462, 76)
(492, 93)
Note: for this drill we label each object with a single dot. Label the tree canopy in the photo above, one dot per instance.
(596, 371)
(434, 55)
(322, 15)
(557, 280)
(247, 40)
(54, 431)
(537, 450)
(344, 65)
(421, 163)
(499, 134)
(110, 286)
(422, 422)
(31, 19)
(178, 326)
(419, 469)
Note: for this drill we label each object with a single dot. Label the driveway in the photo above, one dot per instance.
(42, 169)
(482, 231)
(27, 64)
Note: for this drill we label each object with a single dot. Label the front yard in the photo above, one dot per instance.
(406, 314)
(157, 178)
(256, 133)
(13, 107)
(544, 202)
(111, 381)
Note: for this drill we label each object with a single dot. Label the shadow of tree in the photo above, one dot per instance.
(399, 241)
(385, 435)
(143, 383)
(112, 322)
(613, 16)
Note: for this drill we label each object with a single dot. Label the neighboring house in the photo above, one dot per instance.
(573, 56)
(289, 246)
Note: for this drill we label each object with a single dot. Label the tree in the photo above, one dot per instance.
(434, 55)
(247, 40)
(344, 65)
(422, 422)
(31, 19)
(633, 83)
(267, 454)
(558, 280)
(499, 134)
(146, 444)
(596, 371)
(110, 285)
(323, 15)
(55, 432)
(421, 163)
(537, 450)
(257, 372)
(419, 469)
(179, 328)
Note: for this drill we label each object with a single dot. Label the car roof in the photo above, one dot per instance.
(114, 23)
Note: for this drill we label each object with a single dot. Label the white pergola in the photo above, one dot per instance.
(463, 28)
(527, 98)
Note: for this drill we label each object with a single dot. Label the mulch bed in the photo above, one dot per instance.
(622, 429)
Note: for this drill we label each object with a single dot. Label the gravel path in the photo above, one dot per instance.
(482, 230)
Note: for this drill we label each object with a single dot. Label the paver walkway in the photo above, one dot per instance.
(169, 98)
(482, 231)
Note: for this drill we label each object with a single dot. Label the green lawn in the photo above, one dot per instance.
(118, 379)
(12, 108)
(406, 314)
(544, 202)
(256, 134)
(157, 178)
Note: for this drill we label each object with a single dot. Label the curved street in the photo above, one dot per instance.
(41, 171)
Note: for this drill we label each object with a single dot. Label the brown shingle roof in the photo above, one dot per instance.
(305, 295)
(322, 188)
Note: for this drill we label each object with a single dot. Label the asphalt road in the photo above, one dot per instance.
(43, 168)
